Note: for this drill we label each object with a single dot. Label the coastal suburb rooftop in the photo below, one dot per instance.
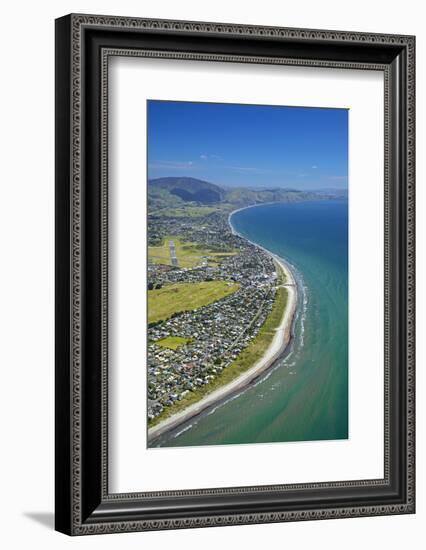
(234, 284)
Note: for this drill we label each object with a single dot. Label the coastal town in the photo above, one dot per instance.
(246, 333)
(190, 348)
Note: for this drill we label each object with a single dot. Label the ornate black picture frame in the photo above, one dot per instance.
(83, 45)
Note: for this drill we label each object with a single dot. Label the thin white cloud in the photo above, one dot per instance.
(171, 164)
(204, 156)
(250, 169)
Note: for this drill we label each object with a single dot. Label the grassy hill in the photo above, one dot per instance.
(185, 190)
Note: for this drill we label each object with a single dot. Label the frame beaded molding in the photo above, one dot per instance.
(107, 53)
(78, 23)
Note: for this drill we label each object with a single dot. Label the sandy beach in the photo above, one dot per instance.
(277, 347)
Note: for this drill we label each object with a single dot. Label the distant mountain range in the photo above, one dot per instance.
(174, 192)
(332, 192)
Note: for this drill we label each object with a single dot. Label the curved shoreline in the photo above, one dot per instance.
(276, 348)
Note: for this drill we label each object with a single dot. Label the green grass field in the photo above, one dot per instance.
(282, 278)
(162, 303)
(188, 254)
(173, 342)
(186, 211)
(247, 358)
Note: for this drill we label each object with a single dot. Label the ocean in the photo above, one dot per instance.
(304, 397)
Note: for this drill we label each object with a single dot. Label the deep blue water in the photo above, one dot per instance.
(305, 397)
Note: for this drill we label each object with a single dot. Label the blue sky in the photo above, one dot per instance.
(249, 145)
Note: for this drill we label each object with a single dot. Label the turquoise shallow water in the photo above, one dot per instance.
(305, 396)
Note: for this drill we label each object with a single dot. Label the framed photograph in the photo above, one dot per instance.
(234, 274)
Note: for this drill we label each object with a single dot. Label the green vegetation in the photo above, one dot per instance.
(162, 198)
(186, 211)
(170, 299)
(190, 197)
(188, 254)
(247, 358)
(173, 342)
(186, 189)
